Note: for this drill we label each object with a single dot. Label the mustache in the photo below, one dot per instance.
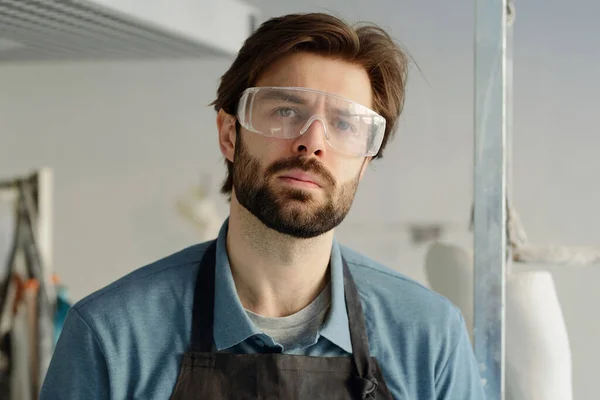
(305, 164)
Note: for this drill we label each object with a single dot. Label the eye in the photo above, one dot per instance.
(285, 112)
(345, 126)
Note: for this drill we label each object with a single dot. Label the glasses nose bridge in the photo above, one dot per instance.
(311, 120)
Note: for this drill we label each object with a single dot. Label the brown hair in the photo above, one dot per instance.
(367, 45)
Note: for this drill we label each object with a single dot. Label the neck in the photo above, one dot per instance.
(275, 275)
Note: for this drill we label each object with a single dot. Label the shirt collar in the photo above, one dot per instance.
(336, 328)
(231, 323)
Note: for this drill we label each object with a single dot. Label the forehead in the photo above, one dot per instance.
(326, 74)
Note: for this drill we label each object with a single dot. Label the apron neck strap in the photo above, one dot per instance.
(356, 322)
(204, 300)
(365, 383)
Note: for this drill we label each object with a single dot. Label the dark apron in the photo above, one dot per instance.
(206, 374)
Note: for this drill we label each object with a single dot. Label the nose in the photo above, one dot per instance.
(312, 138)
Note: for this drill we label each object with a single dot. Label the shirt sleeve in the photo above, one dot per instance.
(460, 378)
(78, 368)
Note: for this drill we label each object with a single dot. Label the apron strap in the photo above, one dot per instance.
(204, 300)
(365, 382)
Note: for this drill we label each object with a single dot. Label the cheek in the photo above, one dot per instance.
(265, 147)
(346, 170)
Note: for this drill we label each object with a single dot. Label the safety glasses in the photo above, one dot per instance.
(288, 112)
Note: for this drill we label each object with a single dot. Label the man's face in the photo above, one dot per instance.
(301, 187)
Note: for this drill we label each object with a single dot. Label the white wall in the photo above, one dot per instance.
(126, 139)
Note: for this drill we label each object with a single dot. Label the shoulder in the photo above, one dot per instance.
(413, 331)
(132, 332)
(400, 300)
(157, 287)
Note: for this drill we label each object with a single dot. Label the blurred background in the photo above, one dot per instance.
(128, 140)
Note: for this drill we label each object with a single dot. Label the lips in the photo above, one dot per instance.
(302, 177)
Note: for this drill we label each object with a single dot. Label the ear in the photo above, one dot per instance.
(227, 134)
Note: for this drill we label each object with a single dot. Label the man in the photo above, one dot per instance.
(275, 308)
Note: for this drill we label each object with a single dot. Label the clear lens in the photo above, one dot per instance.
(288, 112)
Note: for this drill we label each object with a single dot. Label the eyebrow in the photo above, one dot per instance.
(344, 113)
(294, 99)
(281, 95)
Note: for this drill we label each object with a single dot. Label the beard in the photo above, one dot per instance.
(296, 212)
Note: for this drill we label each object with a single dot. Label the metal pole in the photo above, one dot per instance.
(510, 17)
(490, 193)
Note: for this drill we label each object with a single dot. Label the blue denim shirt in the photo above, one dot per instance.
(126, 341)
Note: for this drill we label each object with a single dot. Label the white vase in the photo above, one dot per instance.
(538, 355)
